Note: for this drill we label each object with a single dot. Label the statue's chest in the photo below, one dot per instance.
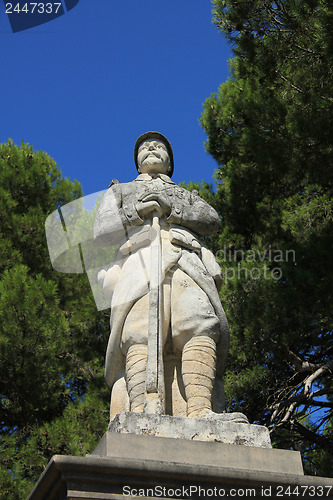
(158, 186)
(154, 186)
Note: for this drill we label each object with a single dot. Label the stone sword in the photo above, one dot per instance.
(155, 388)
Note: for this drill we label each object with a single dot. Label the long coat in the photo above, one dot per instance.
(118, 223)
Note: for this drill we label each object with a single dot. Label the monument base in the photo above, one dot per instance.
(116, 478)
(198, 453)
(133, 461)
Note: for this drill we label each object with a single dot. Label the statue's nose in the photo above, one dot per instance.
(151, 146)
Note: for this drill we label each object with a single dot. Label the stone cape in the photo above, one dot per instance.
(193, 267)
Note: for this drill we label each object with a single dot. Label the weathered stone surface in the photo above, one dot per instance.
(228, 428)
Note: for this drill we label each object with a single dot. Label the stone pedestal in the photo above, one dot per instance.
(198, 453)
(133, 461)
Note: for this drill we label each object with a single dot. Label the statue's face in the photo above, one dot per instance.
(153, 157)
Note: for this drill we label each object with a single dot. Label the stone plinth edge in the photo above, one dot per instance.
(198, 453)
(95, 478)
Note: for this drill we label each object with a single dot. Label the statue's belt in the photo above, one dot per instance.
(177, 236)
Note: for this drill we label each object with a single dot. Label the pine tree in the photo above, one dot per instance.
(52, 339)
(270, 128)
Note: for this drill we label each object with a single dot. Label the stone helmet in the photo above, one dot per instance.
(159, 137)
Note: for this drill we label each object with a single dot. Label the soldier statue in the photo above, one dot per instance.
(169, 335)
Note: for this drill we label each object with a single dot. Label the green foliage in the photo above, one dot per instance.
(52, 341)
(33, 328)
(76, 432)
(270, 129)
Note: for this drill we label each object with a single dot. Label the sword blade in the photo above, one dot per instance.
(155, 371)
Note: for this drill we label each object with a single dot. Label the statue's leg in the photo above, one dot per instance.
(136, 362)
(198, 370)
(195, 332)
(133, 345)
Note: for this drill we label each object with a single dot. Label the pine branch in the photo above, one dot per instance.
(309, 381)
(320, 440)
(300, 365)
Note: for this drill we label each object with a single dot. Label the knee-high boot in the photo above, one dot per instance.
(136, 362)
(198, 370)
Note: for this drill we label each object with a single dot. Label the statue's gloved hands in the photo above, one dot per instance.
(154, 202)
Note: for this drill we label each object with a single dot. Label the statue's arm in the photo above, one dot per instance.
(114, 216)
(196, 214)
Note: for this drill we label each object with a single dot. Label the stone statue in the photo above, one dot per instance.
(169, 335)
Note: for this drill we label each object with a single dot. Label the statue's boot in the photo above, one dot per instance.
(136, 363)
(198, 370)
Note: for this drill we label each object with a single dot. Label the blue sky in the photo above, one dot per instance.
(84, 86)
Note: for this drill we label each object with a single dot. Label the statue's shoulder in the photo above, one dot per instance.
(113, 182)
(116, 186)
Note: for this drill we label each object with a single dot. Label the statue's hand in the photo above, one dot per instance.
(154, 202)
(147, 208)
